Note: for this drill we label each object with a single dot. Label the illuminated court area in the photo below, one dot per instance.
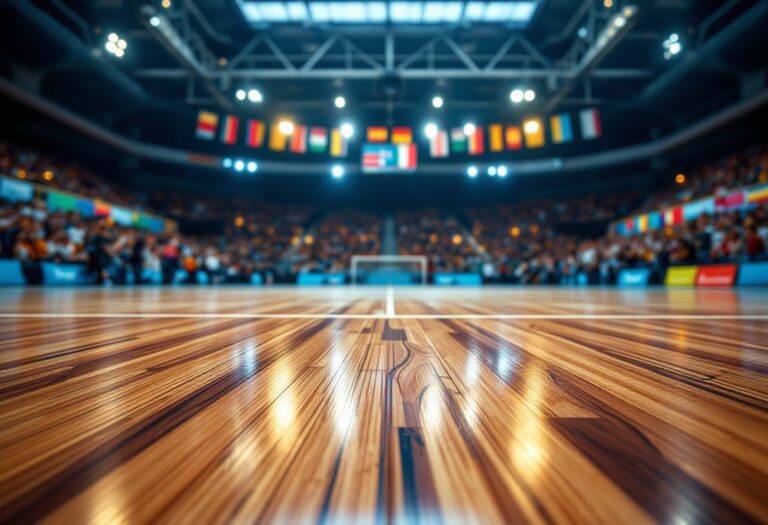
(362, 405)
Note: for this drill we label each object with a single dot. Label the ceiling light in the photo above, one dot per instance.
(113, 37)
(239, 165)
(254, 95)
(226, 162)
(154, 21)
(285, 127)
(469, 129)
(430, 130)
(502, 171)
(347, 130)
(531, 126)
(252, 167)
(437, 102)
(240, 94)
(337, 171)
(339, 102)
(582, 32)
(516, 96)
(529, 95)
(472, 171)
(491, 171)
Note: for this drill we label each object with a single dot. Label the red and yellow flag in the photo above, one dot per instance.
(255, 135)
(378, 134)
(229, 129)
(402, 135)
(514, 137)
(496, 137)
(206, 125)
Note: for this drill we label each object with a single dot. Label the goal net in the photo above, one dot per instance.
(388, 269)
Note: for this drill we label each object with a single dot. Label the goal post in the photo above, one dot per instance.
(388, 269)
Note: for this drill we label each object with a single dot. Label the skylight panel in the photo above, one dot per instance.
(297, 11)
(474, 11)
(377, 11)
(523, 11)
(405, 12)
(319, 12)
(273, 11)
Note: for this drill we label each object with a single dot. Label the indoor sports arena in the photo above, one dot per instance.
(384, 262)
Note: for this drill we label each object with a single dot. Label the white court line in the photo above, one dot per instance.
(390, 308)
(658, 317)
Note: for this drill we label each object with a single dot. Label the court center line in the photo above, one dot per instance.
(390, 308)
(181, 315)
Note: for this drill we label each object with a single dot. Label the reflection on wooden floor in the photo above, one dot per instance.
(207, 420)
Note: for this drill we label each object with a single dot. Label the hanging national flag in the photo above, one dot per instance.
(496, 137)
(673, 216)
(378, 134)
(476, 142)
(277, 140)
(318, 139)
(402, 136)
(255, 134)
(206, 125)
(229, 129)
(560, 127)
(438, 145)
(389, 157)
(458, 141)
(533, 130)
(338, 143)
(299, 139)
(590, 124)
(514, 137)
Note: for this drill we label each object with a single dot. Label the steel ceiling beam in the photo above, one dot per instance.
(412, 73)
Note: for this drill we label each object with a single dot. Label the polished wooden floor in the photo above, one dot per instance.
(363, 405)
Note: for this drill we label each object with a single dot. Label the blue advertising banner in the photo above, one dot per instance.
(54, 273)
(634, 277)
(10, 273)
(316, 279)
(457, 279)
(753, 274)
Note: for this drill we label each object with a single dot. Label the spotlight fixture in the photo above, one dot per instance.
(252, 167)
(285, 127)
(154, 21)
(491, 171)
(430, 130)
(240, 94)
(337, 171)
(582, 32)
(680, 178)
(226, 162)
(347, 130)
(472, 171)
(254, 95)
(437, 102)
(529, 95)
(239, 165)
(116, 45)
(502, 171)
(672, 46)
(531, 126)
(469, 129)
(340, 102)
(516, 96)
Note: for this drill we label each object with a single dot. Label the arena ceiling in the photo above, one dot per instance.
(388, 59)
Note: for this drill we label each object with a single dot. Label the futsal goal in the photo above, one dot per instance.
(388, 269)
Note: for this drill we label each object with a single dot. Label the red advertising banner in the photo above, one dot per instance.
(716, 275)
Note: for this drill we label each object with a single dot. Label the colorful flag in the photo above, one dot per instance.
(438, 145)
(514, 137)
(673, 216)
(496, 137)
(277, 140)
(229, 129)
(590, 124)
(757, 194)
(299, 139)
(100, 208)
(476, 142)
(378, 134)
(206, 125)
(318, 139)
(458, 141)
(338, 143)
(560, 127)
(389, 157)
(533, 130)
(402, 136)
(255, 134)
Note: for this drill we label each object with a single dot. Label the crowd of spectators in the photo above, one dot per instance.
(439, 236)
(338, 236)
(746, 167)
